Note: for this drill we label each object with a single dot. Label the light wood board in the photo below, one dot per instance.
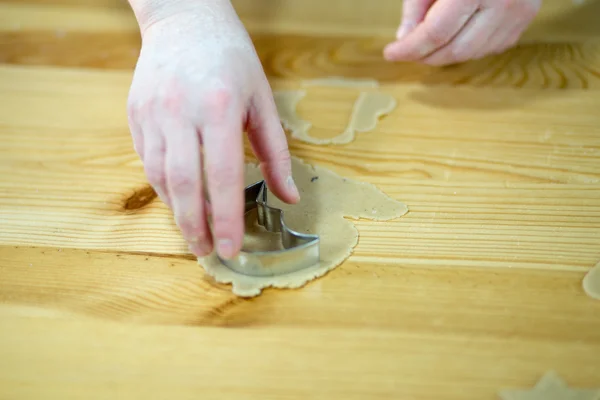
(478, 288)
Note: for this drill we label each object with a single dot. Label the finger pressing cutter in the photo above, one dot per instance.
(299, 250)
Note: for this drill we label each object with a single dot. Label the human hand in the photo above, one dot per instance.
(441, 32)
(197, 86)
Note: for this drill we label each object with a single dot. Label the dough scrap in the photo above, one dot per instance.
(338, 81)
(550, 387)
(591, 282)
(326, 198)
(367, 109)
(286, 102)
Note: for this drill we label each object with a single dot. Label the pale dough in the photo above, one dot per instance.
(286, 102)
(368, 108)
(326, 199)
(591, 282)
(550, 387)
(336, 81)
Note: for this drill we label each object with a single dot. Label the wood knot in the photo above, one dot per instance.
(140, 198)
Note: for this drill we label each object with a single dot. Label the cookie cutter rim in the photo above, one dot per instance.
(301, 250)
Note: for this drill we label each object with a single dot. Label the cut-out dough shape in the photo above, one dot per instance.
(550, 387)
(326, 198)
(591, 282)
(286, 102)
(337, 81)
(367, 109)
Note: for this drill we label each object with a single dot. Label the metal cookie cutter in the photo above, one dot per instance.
(300, 250)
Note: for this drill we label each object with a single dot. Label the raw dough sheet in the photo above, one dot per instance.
(326, 198)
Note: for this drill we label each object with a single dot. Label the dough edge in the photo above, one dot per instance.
(591, 282)
(251, 286)
(300, 130)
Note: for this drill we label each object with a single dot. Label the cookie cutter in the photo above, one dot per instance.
(300, 250)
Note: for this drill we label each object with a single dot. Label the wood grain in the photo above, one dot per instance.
(477, 288)
(529, 65)
(156, 317)
(557, 20)
(107, 36)
(445, 166)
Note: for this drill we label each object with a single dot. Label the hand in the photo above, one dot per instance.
(440, 32)
(197, 86)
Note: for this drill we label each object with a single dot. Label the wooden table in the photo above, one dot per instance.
(478, 288)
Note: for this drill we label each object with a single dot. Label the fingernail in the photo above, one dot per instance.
(401, 32)
(162, 195)
(404, 29)
(292, 185)
(199, 249)
(225, 248)
(386, 53)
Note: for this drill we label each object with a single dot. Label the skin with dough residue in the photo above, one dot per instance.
(326, 199)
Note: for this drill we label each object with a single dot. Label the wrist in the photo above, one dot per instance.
(150, 12)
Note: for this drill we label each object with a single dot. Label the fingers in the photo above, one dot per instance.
(136, 135)
(224, 165)
(270, 146)
(472, 40)
(442, 22)
(413, 12)
(498, 40)
(458, 30)
(509, 37)
(488, 32)
(133, 121)
(517, 17)
(183, 167)
(154, 159)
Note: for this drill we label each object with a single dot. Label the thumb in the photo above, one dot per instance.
(413, 12)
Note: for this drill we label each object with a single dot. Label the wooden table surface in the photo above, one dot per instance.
(476, 289)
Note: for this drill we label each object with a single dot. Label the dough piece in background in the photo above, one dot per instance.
(326, 198)
(338, 81)
(367, 109)
(366, 112)
(287, 102)
(591, 282)
(550, 387)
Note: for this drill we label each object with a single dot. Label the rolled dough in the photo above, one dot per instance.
(550, 387)
(368, 108)
(326, 198)
(591, 282)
